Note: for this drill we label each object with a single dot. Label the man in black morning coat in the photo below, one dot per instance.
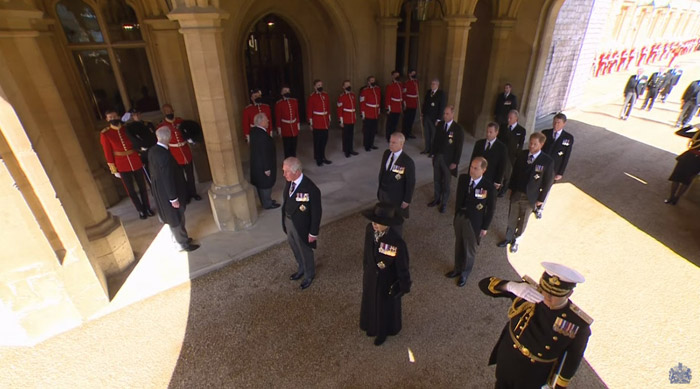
(513, 136)
(495, 153)
(633, 89)
(447, 150)
(505, 102)
(169, 189)
(263, 161)
(397, 177)
(433, 107)
(301, 218)
(558, 144)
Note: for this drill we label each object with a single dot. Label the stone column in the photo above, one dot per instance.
(231, 197)
(456, 55)
(387, 47)
(496, 78)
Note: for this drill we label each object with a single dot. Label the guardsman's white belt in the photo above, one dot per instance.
(349, 109)
(177, 144)
(288, 121)
(373, 105)
(320, 113)
(123, 153)
(411, 96)
(395, 99)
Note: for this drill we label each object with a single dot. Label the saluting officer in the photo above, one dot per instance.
(180, 149)
(370, 105)
(287, 117)
(255, 107)
(346, 116)
(410, 95)
(319, 114)
(397, 177)
(124, 162)
(394, 104)
(544, 340)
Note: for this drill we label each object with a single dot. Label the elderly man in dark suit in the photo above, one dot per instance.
(169, 189)
(513, 136)
(530, 182)
(433, 107)
(263, 161)
(301, 218)
(558, 145)
(474, 208)
(495, 153)
(397, 177)
(447, 150)
(634, 87)
(505, 102)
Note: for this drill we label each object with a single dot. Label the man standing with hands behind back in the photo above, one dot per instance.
(447, 150)
(397, 178)
(433, 107)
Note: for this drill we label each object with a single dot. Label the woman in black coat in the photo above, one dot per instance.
(687, 167)
(385, 274)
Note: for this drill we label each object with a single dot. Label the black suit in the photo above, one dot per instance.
(396, 185)
(559, 150)
(514, 140)
(670, 80)
(447, 150)
(691, 100)
(497, 157)
(301, 217)
(503, 105)
(529, 184)
(474, 211)
(433, 108)
(263, 157)
(655, 82)
(168, 183)
(634, 87)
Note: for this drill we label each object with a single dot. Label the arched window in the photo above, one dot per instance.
(110, 53)
(407, 38)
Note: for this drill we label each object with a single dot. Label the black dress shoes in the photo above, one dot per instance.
(503, 243)
(514, 247)
(142, 215)
(149, 212)
(327, 162)
(367, 149)
(354, 153)
(306, 283)
(273, 206)
(671, 201)
(190, 247)
(374, 147)
(319, 163)
(442, 207)
(197, 197)
(451, 274)
(379, 340)
(347, 155)
(296, 276)
(433, 203)
(462, 281)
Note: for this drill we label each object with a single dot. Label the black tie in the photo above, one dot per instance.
(488, 146)
(291, 188)
(471, 187)
(391, 162)
(530, 159)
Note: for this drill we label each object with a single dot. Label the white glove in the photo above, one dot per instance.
(144, 149)
(117, 175)
(524, 291)
(247, 138)
(363, 115)
(341, 122)
(190, 141)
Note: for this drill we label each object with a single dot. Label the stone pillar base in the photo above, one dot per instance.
(234, 207)
(110, 249)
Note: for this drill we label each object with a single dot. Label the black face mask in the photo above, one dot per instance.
(287, 95)
(396, 78)
(414, 76)
(372, 84)
(170, 116)
(115, 122)
(258, 100)
(348, 89)
(319, 89)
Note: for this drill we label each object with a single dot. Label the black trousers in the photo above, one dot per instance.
(289, 143)
(139, 199)
(369, 130)
(179, 232)
(518, 215)
(441, 179)
(303, 254)
(649, 99)
(409, 116)
(392, 123)
(348, 138)
(188, 170)
(265, 196)
(320, 141)
(428, 134)
(466, 240)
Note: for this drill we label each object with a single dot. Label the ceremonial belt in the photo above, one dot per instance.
(288, 121)
(372, 105)
(177, 144)
(411, 95)
(320, 113)
(395, 99)
(525, 351)
(349, 109)
(123, 153)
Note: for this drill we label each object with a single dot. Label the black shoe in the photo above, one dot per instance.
(379, 340)
(327, 162)
(319, 163)
(374, 147)
(433, 203)
(451, 274)
(424, 152)
(189, 240)
(273, 206)
(671, 201)
(514, 247)
(354, 153)
(462, 281)
(142, 215)
(441, 209)
(197, 197)
(296, 276)
(347, 155)
(503, 243)
(149, 212)
(306, 283)
(190, 247)
(367, 149)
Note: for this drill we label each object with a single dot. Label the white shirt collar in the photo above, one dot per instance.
(534, 156)
(476, 182)
(557, 134)
(512, 126)
(490, 141)
(298, 181)
(162, 145)
(448, 124)
(396, 156)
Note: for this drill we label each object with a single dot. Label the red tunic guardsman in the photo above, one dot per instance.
(249, 113)
(318, 112)
(394, 104)
(347, 117)
(180, 149)
(410, 89)
(370, 105)
(287, 122)
(410, 98)
(125, 163)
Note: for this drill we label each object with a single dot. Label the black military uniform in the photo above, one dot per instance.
(447, 150)
(653, 85)
(670, 80)
(691, 101)
(514, 139)
(538, 345)
(143, 136)
(433, 107)
(496, 155)
(634, 87)
(559, 150)
(397, 182)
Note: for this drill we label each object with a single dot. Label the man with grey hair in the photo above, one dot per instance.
(433, 106)
(263, 161)
(301, 218)
(397, 178)
(169, 189)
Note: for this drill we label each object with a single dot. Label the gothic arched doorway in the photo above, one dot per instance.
(273, 59)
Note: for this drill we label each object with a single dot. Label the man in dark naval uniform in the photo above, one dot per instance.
(385, 274)
(513, 135)
(447, 150)
(546, 335)
(397, 177)
(433, 107)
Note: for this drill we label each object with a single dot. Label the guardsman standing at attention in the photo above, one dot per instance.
(543, 342)
(180, 149)
(370, 105)
(287, 117)
(124, 162)
(347, 118)
(318, 110)
(410, 95)
(394, 104)
(255, 107)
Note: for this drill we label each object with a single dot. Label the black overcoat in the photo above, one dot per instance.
(167, 183)
(560, 150)
(262, 157)
(397, 185)
(304, 208)
(380, 313)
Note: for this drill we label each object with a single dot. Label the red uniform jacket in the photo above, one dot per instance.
(178, 144)
(249, 113)
(119, 152)
(287, 117)
(394, 97)
(346, 108)
(318, 110)
(410, 90)
(370, 102)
